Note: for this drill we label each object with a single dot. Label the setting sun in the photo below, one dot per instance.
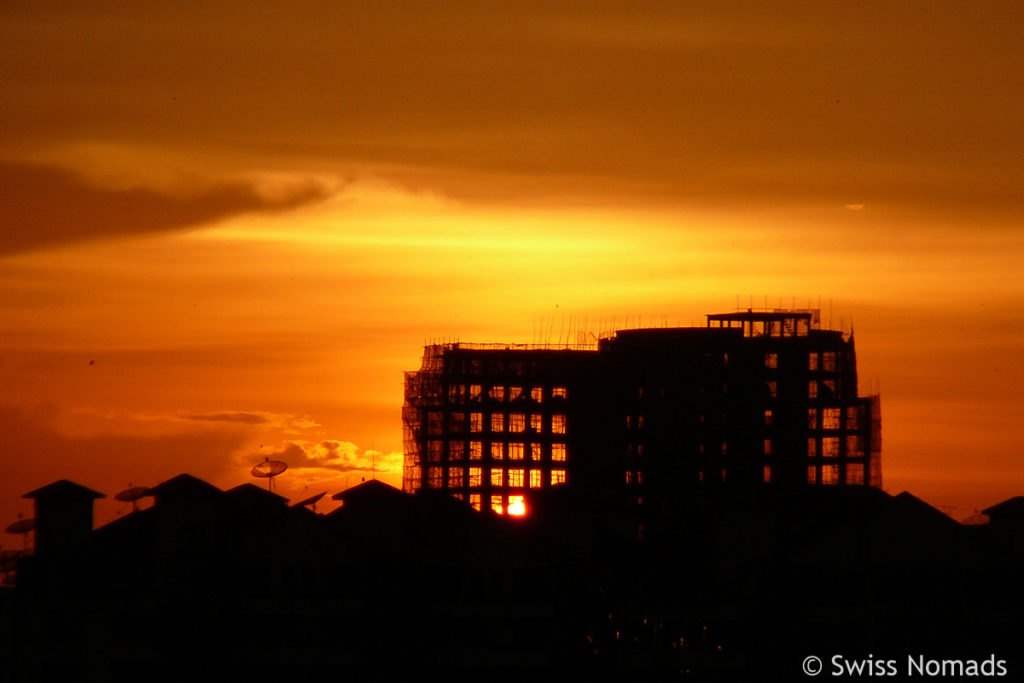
(516, 506)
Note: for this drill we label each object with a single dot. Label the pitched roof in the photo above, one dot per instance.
(1011, 507)
(250, 492)
(184, 486)
(64, 488)
(911, 504)
(368, 490)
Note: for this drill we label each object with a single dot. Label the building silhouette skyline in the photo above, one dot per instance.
(761, 397)
(644, 554)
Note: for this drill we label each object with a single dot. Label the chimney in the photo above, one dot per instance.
(63, 515)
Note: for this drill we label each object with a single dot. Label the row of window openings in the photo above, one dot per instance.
(498, 477)
(516, 450)
(641, 392)
(827, 446)
(713, 420)
(831, 475)
(723, 448)
(824, 388)
(824, 361)
(830, 418)
(827, 475)
(786, 327)
(493, 366)
(815, 388)
(460, 393)
(498, 422)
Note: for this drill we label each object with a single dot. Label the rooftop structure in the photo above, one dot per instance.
(754, 398)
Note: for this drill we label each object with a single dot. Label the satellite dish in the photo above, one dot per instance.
(268, 469)
(22, 526)
(132, 495)
(311, 501)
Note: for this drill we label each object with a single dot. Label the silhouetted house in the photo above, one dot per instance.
(372, 496)
(1010, 511)
(64, 514)
(754, 398)
(184, 492)
(267, 591)
(1005, 527)
(237, 584)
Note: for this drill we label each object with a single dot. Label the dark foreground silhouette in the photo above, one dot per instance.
(207, 584)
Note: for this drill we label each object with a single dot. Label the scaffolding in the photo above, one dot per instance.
(423, 390)
(772, 386)
(875, 458)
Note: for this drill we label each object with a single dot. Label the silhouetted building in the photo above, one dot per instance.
(765, 537)
(208, 584)
(754, 398)
(1010, 511)
(63, 514)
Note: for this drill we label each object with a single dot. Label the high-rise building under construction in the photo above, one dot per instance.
(753, 399)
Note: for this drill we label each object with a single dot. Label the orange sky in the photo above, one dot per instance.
(252, 218)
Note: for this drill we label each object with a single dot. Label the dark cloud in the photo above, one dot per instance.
(42, 206)
(708, 103)
(243, 418)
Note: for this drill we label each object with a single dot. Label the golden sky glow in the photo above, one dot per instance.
(252, 219)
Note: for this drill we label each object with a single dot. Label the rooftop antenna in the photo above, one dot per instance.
(22, 526)
(268, 469)
(132, 494)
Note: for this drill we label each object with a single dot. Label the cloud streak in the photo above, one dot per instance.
(44, 206)
(242, 418)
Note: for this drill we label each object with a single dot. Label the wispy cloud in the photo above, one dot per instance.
(243, 418)
(115, 421)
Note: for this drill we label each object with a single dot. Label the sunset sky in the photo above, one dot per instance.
(226, 229)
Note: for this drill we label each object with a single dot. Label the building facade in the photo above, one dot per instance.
(753, 399)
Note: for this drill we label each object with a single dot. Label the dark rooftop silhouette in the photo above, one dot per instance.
(628, 565)
(742, 577)
(63, 489)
